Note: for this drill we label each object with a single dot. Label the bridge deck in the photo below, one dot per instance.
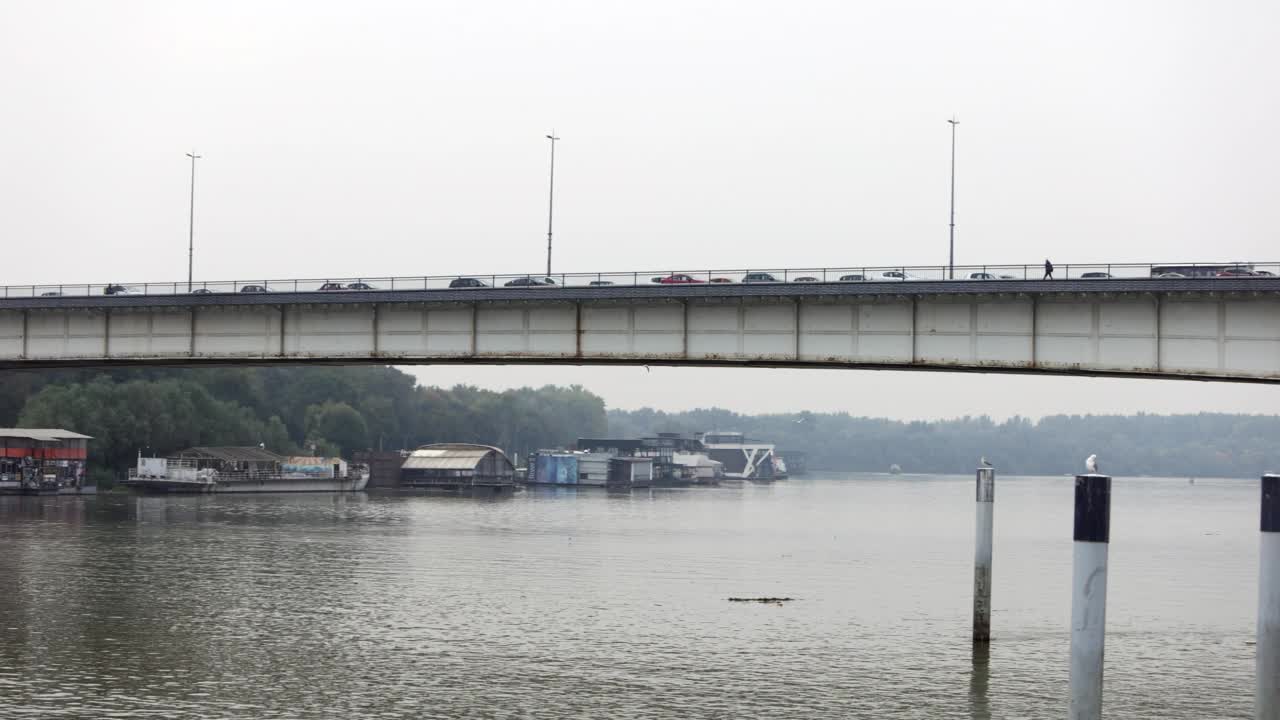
(1269, 285)
(1202, 328)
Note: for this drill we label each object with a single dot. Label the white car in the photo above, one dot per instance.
(892, 276)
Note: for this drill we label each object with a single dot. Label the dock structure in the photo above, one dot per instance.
(1092, 536)
(457, 466)
(44, 461)
(1267, 661)
(986, 495)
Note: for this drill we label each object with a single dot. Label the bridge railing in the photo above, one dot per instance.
(674, 275)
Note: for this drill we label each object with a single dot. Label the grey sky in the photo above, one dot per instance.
(345, 139)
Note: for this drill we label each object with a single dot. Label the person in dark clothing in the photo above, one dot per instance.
(1048, 270)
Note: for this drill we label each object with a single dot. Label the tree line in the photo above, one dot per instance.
(290, 410)
(1206, 444)
(341, 410)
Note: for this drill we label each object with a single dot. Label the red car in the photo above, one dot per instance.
(677, 279)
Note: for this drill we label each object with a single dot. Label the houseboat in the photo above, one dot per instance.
(457, 466)
(44, 461)
(244, 470)
(742, 458)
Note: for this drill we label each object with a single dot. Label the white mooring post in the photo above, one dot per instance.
(1267, 700)
(986, 495)
(1089, 594)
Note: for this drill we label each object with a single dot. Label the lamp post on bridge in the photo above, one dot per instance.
(191, 224)
(551, 197)
(951, 262)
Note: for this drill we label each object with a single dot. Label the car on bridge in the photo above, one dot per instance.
(599, 283)
(360, 286)
(332, 287)
(530, 281)
(759, 277)
(1096, 275)
(856, 277)
(720, 280)
(466, 283)
(120, 290)
(51, 293)
(202, 291)
(892, 276)
(255, 289)
(677, 279)
(805, 278)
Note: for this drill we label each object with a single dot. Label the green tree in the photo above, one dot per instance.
(338, 425)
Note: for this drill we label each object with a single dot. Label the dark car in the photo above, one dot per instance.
(852, 278)
(600, 283)
(467, 283)
(677, 279)
(255, 289)
(360, 286)
(1236, 272)
(51, 293)
(806, 278)
(720, 280)
(759, 277)
(119, 290)
(1095, 275)
(530, 281)
(332, 287)
(202, 291)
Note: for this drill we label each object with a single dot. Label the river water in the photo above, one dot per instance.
(553, 604)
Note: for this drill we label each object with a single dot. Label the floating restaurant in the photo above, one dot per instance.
(457, 466)
(248, 469)
(44, 461)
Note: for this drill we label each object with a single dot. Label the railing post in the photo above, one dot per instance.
(986, 495)
(1267, 664)
(1092, 535)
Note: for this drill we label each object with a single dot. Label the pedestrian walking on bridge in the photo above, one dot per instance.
(1048, 270)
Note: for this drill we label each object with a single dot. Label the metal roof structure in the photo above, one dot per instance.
(42, 434)
(448, 456)
(232, 454)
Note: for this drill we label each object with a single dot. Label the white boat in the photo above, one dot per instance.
(244, 470)
(702, 467)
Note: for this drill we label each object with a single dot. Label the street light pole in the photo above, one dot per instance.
(191, 226)
(951, 263)
(551, 197)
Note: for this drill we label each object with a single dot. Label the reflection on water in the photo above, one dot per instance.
(561, 603)
(979, 678)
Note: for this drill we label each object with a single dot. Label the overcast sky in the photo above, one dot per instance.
(379, 138)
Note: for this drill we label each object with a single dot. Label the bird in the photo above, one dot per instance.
(984, 462)
(1091, 464)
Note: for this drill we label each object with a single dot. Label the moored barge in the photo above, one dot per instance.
(244, 470)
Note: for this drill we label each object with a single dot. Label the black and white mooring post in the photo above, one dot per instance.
(1267, 699)
(986, 496)
(1089, 593)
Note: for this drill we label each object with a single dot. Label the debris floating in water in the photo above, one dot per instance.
(775, 600)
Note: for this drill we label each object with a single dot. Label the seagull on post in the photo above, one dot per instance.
(1091, 464)
(984, 462)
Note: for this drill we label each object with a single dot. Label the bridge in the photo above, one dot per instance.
(1210, 328)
